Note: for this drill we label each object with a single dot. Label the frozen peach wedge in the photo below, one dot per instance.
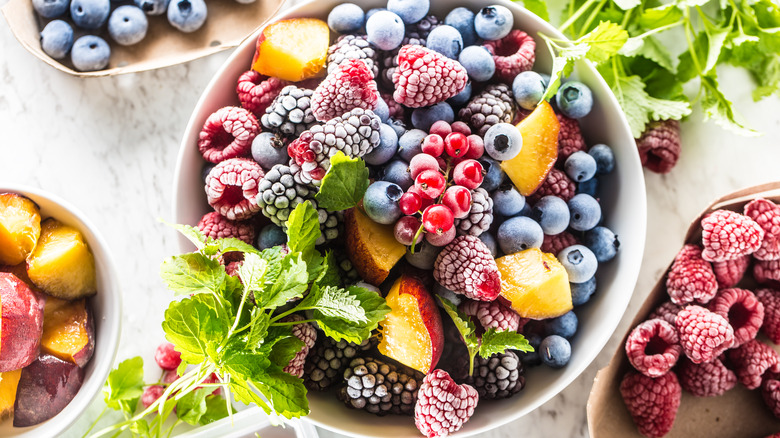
(529, 168)
(412, 333)
(535, 284)
(9, 380)
(20, 227)
(62, 264)
(293, 49)
(371, 247)
(68, 331)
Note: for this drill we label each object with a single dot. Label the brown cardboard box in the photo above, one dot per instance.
(227, 25)
(737, 414)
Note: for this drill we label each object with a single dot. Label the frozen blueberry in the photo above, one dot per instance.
(385, 30)
(490, 242)
(381, 202)
(580, 263)
(478, 62)
(532, 359)
(589, 187)
(424, 255)
(127, 25)
(187, 15)
(580, 166)
(50, 8)
(507, 201)
(493, 22)
(373, 11)
(528, 88)
(90, 14)
(494, 175)
(382, 110)
(564, 326)
(153, 7)
(423, 118)
(603, 242)
(398, 126)
(463, 20)
(90, 53)
(346, 18)
(605, 158)
(57, 39)
(204, 172)
(268, 150)
(461, 98)
(410, 11)
(585, 212)
(503, 141)
(574, 99)
(555, 351)
(388, 146)
(581, 292)
(552, 213)
(518, 234)
(270, 236)
(397, 172)
(546, 79)
(527, 211)
(445, 40)
(447, 294)
(410, 144)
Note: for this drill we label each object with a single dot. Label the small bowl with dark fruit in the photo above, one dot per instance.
(61, 312)
(499, 211)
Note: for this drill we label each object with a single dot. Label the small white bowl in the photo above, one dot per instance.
(106, 308)
(623, 199)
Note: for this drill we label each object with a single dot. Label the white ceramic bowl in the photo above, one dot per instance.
(106, 308)
(623, 201)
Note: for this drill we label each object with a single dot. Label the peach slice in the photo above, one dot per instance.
(20, 227)
(293, 50)
(62, 264)
(21, 325)
(412, 333)
(530, 167)
(68, 331)
(45, 388)
(371, 247)
(9, 381)
(535, 284)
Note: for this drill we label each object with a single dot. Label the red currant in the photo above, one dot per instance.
(151, 394)
(410, 203)
(457, 199)
(405, 230)
(442, 239)
(422, 162)
(441, 128)
(426, 201)
(468, 173)
(456, 144)
(431, 183)
(433, 145)
(476, 147)
(461, 127)
(166, 357)
(437, 219)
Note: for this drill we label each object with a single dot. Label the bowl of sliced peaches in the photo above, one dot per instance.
(60, 310)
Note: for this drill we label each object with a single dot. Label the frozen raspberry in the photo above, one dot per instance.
(707, 379)
(653, 347)
(751, 360)
(231, 268)
(727, 235)
(557, 184)
(231, 188)
(397, 110)
(151, 394)
(771, 300)
(306, 333)
(228, 133)
(659, 145)
(652, 403)
(667, 311)
(770, 390)
(730, 272)
(767, 216)
(558, 242)
(690, 277)
(742, 309)
(167, 357)
(350, 85)
(492, 314)
(704, 335)
(443, 406)
(466, 266)
(216, 226)
(348, 47)
(256, 92)
(570, 139)
(513, 54)
(425, 77)
(767, 272)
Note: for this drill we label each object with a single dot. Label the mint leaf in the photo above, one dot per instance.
(495, 342)
(193, 327)
(125, 385)
(258, 328)
(344, 184)
(716, 36)
(216, 409)
(252, 272)
(193, 273)
(563, 65)
(193, 234)
(538, 7)
(362, 312)
(466, 328)
(192, 406)
(285, 346)
(303, 227)
(604, 41)
(660, 16)
(291, 283)
(627, 4)
(331, 301)
(329, 275)
(718, 108)
(231, 244)
(285, 392)
(651, 49)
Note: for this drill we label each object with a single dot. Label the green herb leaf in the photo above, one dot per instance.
(660, 16)
(285, 346)
(231, 244)
(718, 108)
(252, 272)
(303, 228)
(627, 4)
(258, 328)
(563, 65)
(286, 393)
(125, 385)
(291, 283)
(716, 36)
(465, 327)
(329, 275)
(350, 314)
(194, 328)
(193, 234)
(193, 273)
(192, 406)
(538, 7)
(651, 49)
(495, 342)
(216, 409)
(604, 41)
(344, 184)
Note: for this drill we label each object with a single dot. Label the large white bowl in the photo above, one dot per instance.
(623, 201)
(106, 308)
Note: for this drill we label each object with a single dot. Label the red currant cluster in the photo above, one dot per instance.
(444, 174)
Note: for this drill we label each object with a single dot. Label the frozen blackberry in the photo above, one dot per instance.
(290, 113)
(326, 362)
(379, 388)
(349, 274)
(499, 376)
(480, 216)
(280, 194)
(495, 104)
(353, 47)
(330, 224)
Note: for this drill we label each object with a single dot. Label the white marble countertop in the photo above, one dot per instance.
(109, 146)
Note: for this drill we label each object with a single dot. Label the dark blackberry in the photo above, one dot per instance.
(499, 376)
(326, 362)
(330, 224)
(495, 104)
(279, 194)
(353, 47)
(349, 274)
(379, 388)
(290, 113)
(415, 35)
(480, 216)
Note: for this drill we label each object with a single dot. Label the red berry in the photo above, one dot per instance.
(166, 357)
(461, 127)
(468, 173)
(458, 199)
(431, 183)
(442, 239)
(433, 145)
(437, 219)
(151, 394)
(425, 77)
(440, 128)
(652, 403)
(405, 230)
(456, 144)
(476, 147)
(410, 203)
(169, 376)
(426, 201)
(442, 162)
(422, 162)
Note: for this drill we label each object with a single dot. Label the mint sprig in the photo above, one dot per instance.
(344, 184)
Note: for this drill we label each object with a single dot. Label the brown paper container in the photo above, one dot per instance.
(739, 413)
(227, 25)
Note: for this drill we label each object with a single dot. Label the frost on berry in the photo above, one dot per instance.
(667, 311)
(227, 133)
(167, 357)
(443, 406)
(727, 235)
(216, 226)
(707, 379)
(256, 92)
(491, 314)
(742, 309)
(653, 347)
(556, 243)
(570, 139)
(652, 403)
(691, 278)
(704, 335)
(730, 272)
(659, 145)
(767, 215)
(425, 77)
(480, 216)
(770, 298)
(349, 47)
(308, 335)
(151, 394)
(767, 272)
(495, 104)
(557, 184)
(751, 360)
(513, 54)
(770, 391)
(466, 266)
(351, 85)
(231, 188)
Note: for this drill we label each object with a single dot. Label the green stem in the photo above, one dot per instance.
(293, 322)
(95, 422)
(416, 236)
(283, 314)
(626, 17)
(688, 33)
(574, 17)
(589, 21)
(659, 29)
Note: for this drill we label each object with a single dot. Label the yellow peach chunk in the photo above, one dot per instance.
(535, 284)
(293, 50)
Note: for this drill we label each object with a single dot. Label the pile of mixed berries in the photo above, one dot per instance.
(482, 194)
(705, 337)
